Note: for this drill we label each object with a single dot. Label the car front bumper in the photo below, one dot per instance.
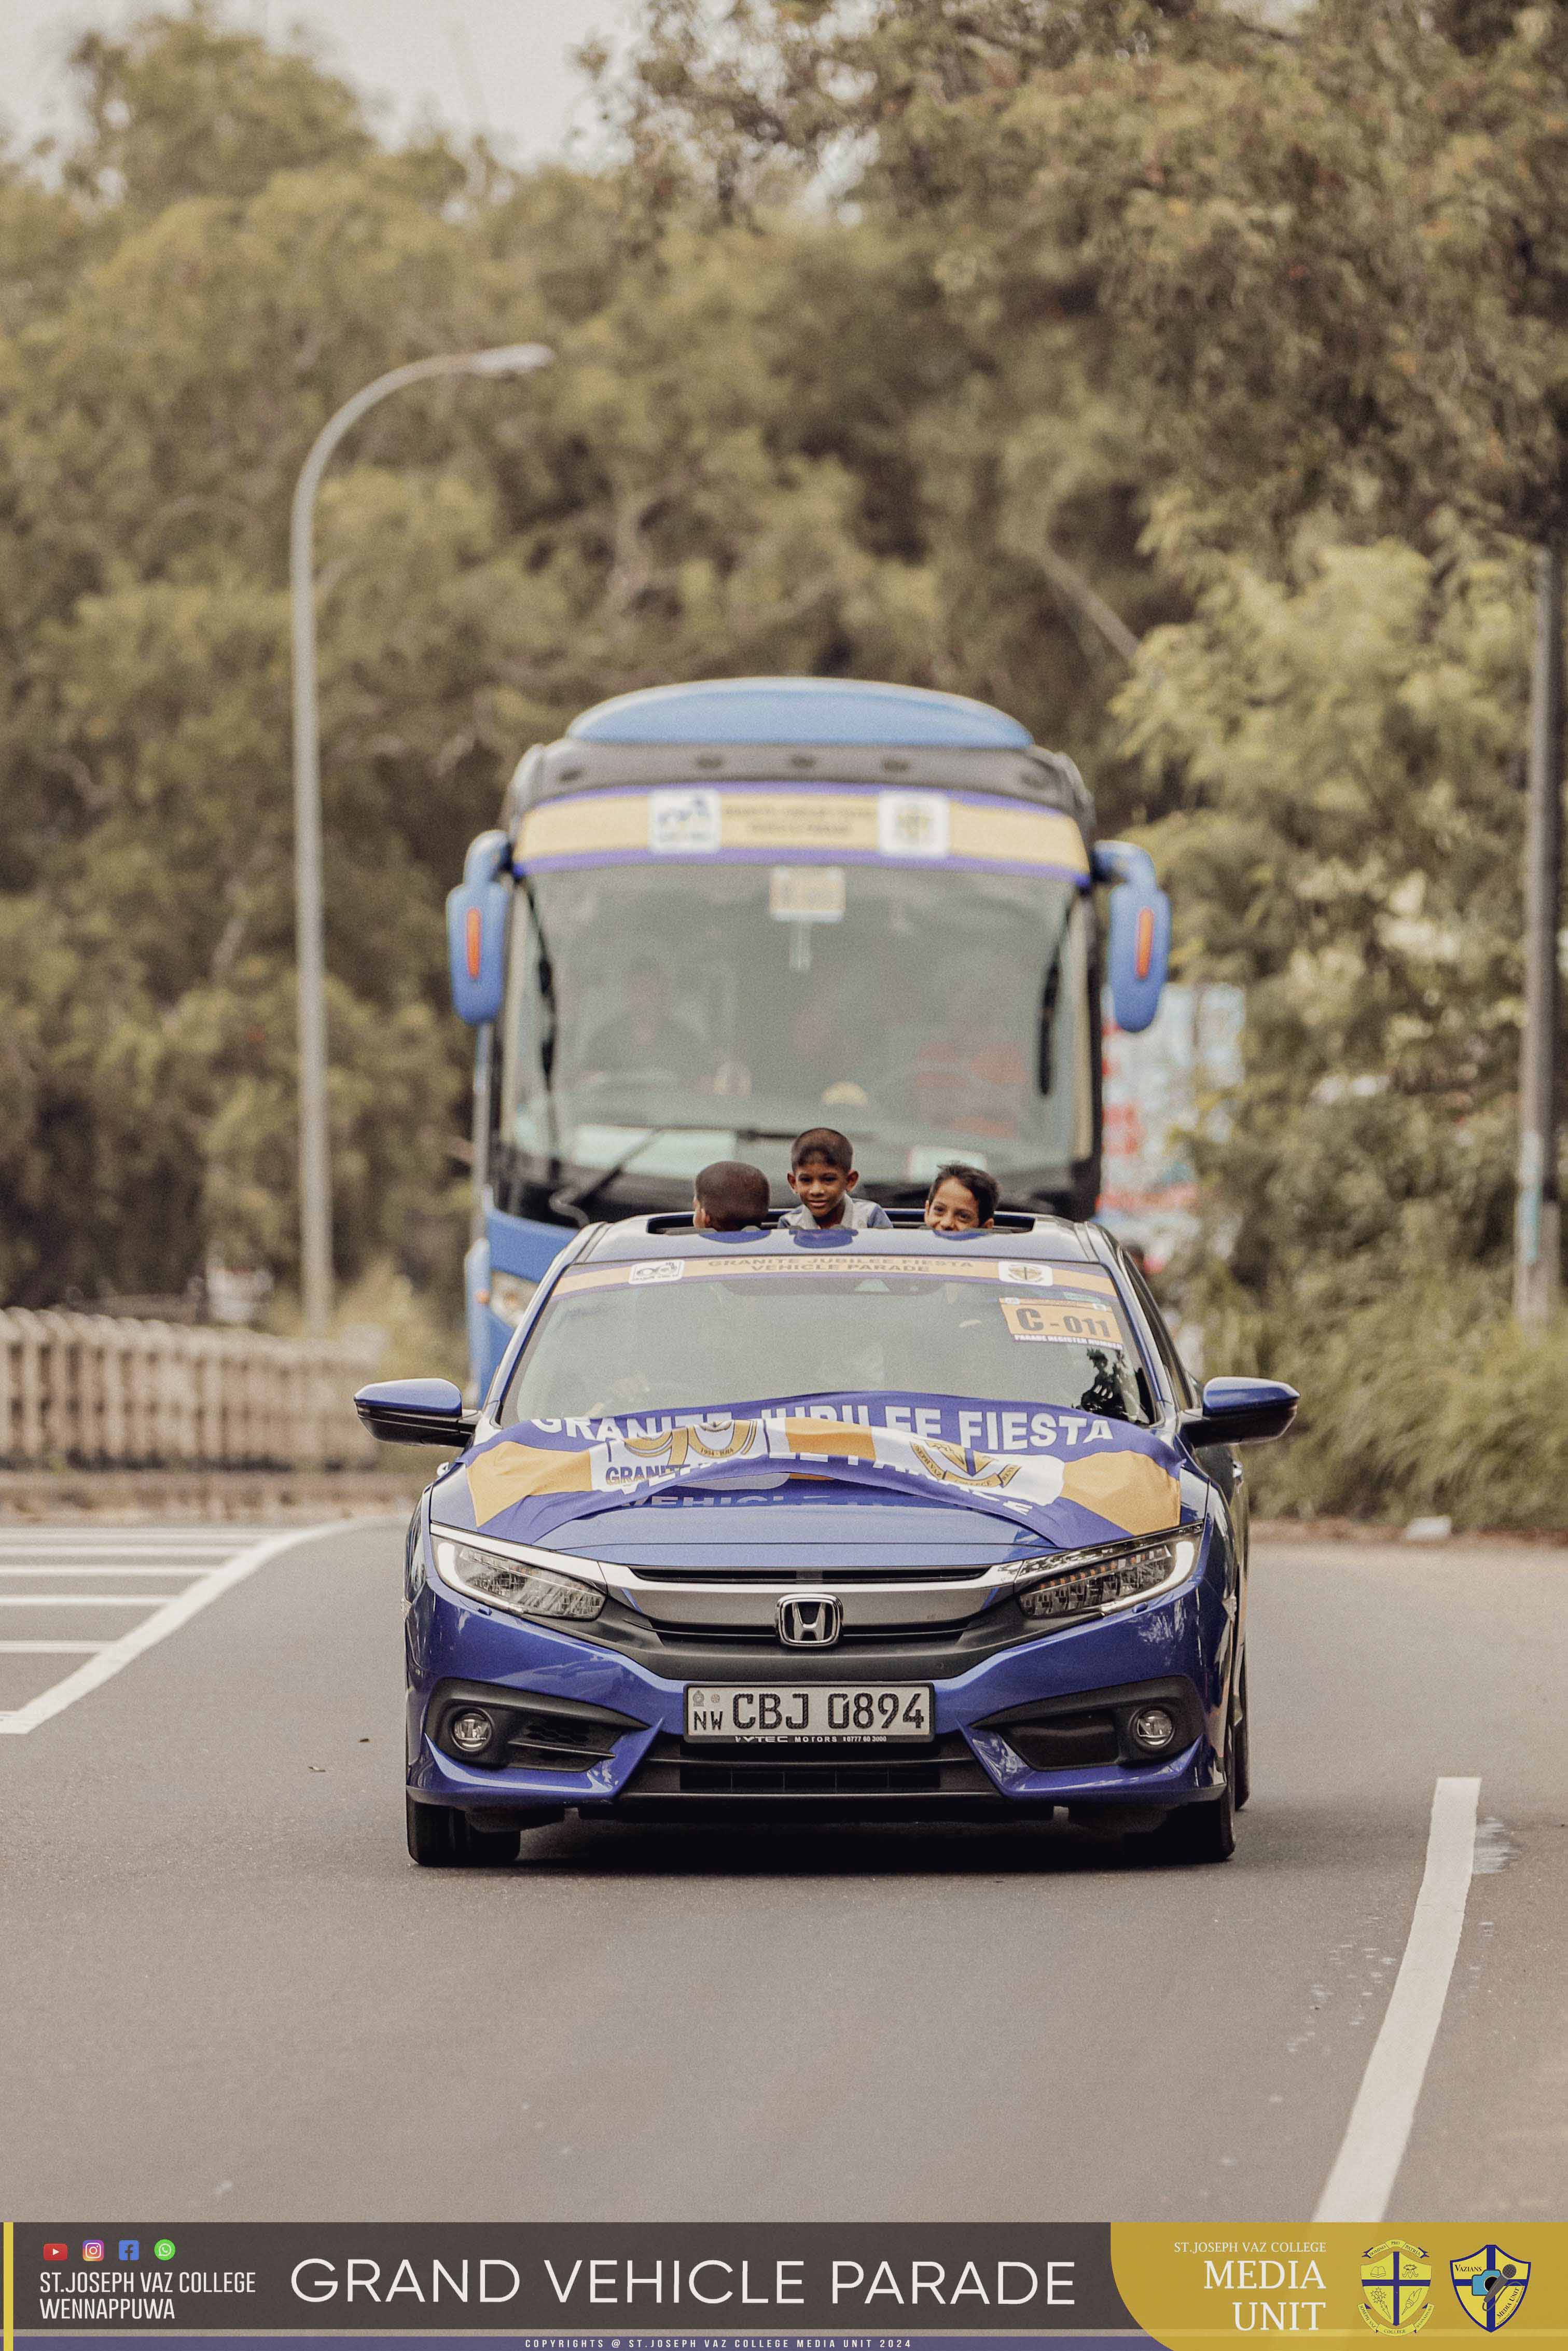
(1058, 1691)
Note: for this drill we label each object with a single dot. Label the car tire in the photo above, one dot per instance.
(431, 1841)
(487, 1848)
(439, 1838)
(1241, 1739)
(1206, 1832)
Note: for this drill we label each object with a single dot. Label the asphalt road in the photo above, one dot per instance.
(229, 1995)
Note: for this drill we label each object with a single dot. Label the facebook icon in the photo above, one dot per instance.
(130, 2249)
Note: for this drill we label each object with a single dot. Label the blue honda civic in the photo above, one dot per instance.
(833, 1525)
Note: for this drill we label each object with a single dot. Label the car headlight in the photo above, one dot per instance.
(509, 1296)
(515, 1584)
(1111, 1575)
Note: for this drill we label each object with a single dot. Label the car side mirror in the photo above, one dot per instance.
(417, 1412)
(1241, 1411)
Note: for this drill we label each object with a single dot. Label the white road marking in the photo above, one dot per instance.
(48, 1649)
(1365, 2170)
(83, 1599)
(168, 1616)
(176, 1555)
(118, 1543)
(113, 1567)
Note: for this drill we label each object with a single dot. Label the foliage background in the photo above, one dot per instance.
(895, 340)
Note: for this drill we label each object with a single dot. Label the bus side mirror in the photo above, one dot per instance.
(476, 930)
(1139, 950)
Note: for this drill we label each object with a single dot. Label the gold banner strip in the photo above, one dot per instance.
(823, 823)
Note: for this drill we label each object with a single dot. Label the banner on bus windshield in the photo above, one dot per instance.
(809, 823)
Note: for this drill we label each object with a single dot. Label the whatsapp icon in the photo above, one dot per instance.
(163, 2250)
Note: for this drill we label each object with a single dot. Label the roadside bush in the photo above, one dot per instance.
(1431, 1400)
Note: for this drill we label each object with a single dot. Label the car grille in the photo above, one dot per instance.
(729, 1573)
(546, 1742)
(938, 1767)
(766, 1636)
(1068, 1743)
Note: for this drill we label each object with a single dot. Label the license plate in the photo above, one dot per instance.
(820, 1714)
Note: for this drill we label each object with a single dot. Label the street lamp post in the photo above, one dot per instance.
(315, 1166)
(1537, 1283)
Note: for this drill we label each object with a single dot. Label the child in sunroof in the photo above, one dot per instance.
(822, 1177)
(962, 1199)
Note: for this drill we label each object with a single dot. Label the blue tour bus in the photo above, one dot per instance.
(713, 915)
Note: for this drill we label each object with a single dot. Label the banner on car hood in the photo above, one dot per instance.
(1071, 1478)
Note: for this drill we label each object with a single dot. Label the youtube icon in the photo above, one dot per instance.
(56, 2253)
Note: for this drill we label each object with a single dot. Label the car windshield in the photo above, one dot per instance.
(932, 1014)
(678, 1334)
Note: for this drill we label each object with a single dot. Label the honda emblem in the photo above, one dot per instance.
(809, 1620)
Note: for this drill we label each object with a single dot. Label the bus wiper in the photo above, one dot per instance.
(1049, 991)
(788, 1134)
(546, 977)
(573, 1198)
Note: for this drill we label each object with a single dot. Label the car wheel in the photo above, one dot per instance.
(430, 1839)
(439, 1838)
(1203, 1833)
(1241, 1737)
(486, 1847)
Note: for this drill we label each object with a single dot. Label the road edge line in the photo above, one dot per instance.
(152, 1629)
(1361, 2182)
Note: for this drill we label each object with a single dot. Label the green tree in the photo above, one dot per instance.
(965, 346)
(490, 559)
(1303, 285)
(1349, 848)
(182, 105)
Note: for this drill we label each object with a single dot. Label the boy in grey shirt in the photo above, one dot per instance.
(822, 1177)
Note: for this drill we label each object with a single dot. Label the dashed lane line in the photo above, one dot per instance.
(109, 1567)
(47, 1648)
(1362, 2180)
(168, 1614)
(83, 1599)
(56, 1537)
(15, 1560)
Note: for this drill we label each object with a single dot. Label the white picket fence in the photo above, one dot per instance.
(90, 1388)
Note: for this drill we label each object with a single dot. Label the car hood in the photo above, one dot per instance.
(837, 1527)
(809, 1476)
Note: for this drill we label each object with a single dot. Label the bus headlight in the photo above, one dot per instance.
(1111, 1575)
(515, 1584)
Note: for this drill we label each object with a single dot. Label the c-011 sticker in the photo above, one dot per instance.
(1077, 1324)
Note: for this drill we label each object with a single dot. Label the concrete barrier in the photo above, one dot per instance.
(94, 1389)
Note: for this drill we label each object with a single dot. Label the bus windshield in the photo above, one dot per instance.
(931, 1014)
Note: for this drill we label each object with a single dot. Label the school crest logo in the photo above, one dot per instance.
(1396, 2287)
(959, 1465)
(684, 823)
(1490, 2283)
(912, 824)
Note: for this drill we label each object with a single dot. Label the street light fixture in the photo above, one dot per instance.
(315, 1167)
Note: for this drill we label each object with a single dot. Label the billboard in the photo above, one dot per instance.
(1161, 1087)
